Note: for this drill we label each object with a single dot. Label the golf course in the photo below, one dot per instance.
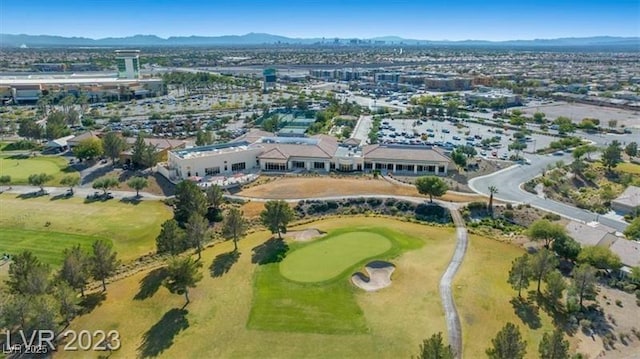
(247, 306)
(46, 226)
(20, 167)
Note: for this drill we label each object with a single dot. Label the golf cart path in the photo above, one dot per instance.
(454, 328)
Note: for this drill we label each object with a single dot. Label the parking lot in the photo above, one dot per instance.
(448, 134)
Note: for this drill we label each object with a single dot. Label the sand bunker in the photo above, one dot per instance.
(304, 235)
(379, 276)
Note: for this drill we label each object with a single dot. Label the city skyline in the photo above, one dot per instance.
(466, 20)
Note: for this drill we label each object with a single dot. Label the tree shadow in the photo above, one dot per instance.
(91, 301)
(134, 200)
(160, 336)
(223, 263)
(94, 175)
(555, 310)
(527, 312)
(64, 195)
(272, 251)
(150, 284)
(34, 194)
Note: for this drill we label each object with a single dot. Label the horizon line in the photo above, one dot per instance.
(322, 37)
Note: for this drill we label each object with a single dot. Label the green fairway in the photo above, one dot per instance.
(47, 226)
(328, 258)
(311, 291)
(21, 168)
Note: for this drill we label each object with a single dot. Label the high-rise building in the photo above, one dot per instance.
(128, 62)
(269, 78)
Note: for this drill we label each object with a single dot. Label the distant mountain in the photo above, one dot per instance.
(11, 40)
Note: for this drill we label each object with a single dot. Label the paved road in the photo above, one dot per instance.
(82, 192)
(454, 328)
(508, 182)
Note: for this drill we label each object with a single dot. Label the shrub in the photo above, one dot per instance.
(509, 206)
(477, 206)
(619, 303)
(552, 217)
(508, 214)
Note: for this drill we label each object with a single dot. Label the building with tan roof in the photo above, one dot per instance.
(262, 151)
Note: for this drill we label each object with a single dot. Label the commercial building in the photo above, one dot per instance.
(438, 83)
(489, 95)
(261, 151)
(128, 63)
(25, 89)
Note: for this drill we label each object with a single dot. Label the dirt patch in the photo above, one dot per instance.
(621, 313)
(378, 276)
(304, 235)
(307, 187)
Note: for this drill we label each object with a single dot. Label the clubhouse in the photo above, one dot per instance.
(262, 151)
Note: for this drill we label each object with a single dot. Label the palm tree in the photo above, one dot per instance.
(492, 190)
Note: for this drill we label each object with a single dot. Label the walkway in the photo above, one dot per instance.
(454, 328)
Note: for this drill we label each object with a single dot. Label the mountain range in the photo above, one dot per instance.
(16, 40)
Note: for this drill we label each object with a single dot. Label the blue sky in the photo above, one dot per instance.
(418, 19)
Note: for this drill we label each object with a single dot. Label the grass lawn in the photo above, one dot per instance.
(319, 296)
(483, 296)
(328, 258)
(214, 324)
(20, 168)
(131, 228)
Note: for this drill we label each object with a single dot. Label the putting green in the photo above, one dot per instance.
(328, 258)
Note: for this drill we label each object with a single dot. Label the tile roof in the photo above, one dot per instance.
(403, 153)
(630, 197)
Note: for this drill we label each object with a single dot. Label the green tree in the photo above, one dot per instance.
(544, 230)
(555, 285)
(234, 226)
(5, 180)
(520, 274)
(542, 263)
(434, 348)
(138, 151)
(214, 196)
(631, 149)
(508, 344)
(492, 190)
(88, 149)
(197, 228)
(39, 179)
(30, 129)
(70, 181)
(612, 155)
(113, 145)
(56, 126)
(188, 199)
(171, 239)
(27, 275)
(538, 117)
(517, 146)
(600, 257)
(67, 103)
(76, 268)
(584, 282)
(137, 183)
(565, 125)
(566, 247)
(554, 346)
(459, 158)
(150, 156)
(432, 186)
(276, 216)
(204, 138)
(633, 230)
(182, 274)
(104, 261)
(105, 184)
(67, 300)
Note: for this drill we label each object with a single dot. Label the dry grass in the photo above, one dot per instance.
(306, 187)
(252, 209)
(398, 317)
(482, 296)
